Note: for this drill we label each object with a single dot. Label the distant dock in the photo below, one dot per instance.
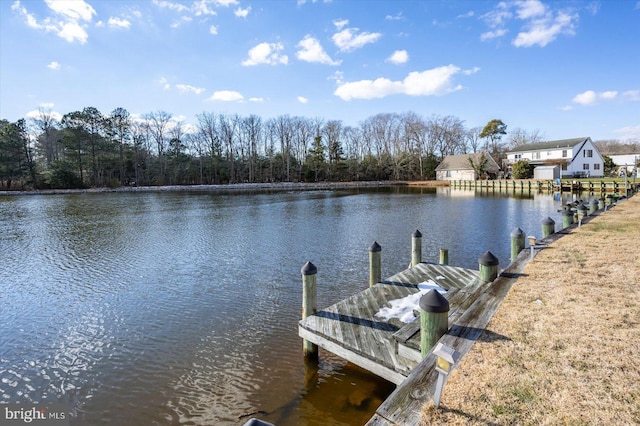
(593, 186)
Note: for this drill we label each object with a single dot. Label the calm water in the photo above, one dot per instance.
(178, 308)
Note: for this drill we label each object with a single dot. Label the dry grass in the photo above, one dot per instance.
(564, 346)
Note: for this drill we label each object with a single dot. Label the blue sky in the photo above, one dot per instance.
(565, 68)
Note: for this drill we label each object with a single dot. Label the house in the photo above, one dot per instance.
(577, 157)
(461, 167)
(626, 161)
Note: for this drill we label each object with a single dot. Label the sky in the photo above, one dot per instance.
(564, 68)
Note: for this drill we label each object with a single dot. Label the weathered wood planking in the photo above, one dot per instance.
(351, 330)
(404, 405)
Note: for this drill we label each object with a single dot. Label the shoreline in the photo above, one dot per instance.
(236, 187)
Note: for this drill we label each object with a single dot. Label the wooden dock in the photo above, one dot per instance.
(593, 186)
(389, 349)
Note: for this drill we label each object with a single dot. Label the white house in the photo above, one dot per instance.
(460, 167)
(577, 157)
(626, 161)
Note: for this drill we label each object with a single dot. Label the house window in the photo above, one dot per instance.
(564, 166)
(448, 173)
(588, 153)
(596, 166)
(564, 153)
(518, 156)
(585, 166)
(536, 155)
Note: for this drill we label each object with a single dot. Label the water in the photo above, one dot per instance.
(179, 308)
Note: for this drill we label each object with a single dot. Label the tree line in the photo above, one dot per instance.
(90, 149)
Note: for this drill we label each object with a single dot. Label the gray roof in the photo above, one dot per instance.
(563, 143)
(461, 162)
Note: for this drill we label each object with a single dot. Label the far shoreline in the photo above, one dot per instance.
(236, 187)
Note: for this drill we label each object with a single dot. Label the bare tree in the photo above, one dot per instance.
(158, 126)
(120, 130)
(49, 138)
(473, 139)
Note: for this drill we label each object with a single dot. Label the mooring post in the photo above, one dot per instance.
(444, 256)
(582, 212)
(488, 267)
(593, 206)
(309, 304)
(416, 248)
(434, 320)
(567, 218)
(375, 268)
(517, 242)
(548, 227)
(600, 203)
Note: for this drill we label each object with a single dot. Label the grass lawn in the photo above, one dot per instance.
(564, 346)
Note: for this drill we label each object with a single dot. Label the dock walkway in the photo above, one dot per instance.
(389, 349)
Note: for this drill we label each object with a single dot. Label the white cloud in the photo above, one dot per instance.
(544, 31)
(469, 14)
(398, 57)
(186, 88)
(66, 21)
(164, 82)
(541, 25)
(397, 17)
(213, 30)
(301, 2)
(242, 13)
(349, 39)
(201, 7)
(499, 16)
(530, 9)
(302, 99)
(256, 100)
(433, 82)
(47, 106)
(493, 34)
(72, 31)
(312, 51)
(76, 10)
(632, 95)
(611, 94)
(341, 23)
(226, 96)
(118, 23)
(54, 65)
(471, 71)
(266, 53)
(591, 98)
(171, 5)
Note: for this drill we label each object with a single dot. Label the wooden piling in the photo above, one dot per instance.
(375, 267)
(517, 242)
(593, 207)
(444, 256)
(488, 264)
(567, 218)
(582, 212)
(434, 320)
(416, 248)
(309, 304)
(548, 227)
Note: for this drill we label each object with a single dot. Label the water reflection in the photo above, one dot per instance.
(171, 308)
